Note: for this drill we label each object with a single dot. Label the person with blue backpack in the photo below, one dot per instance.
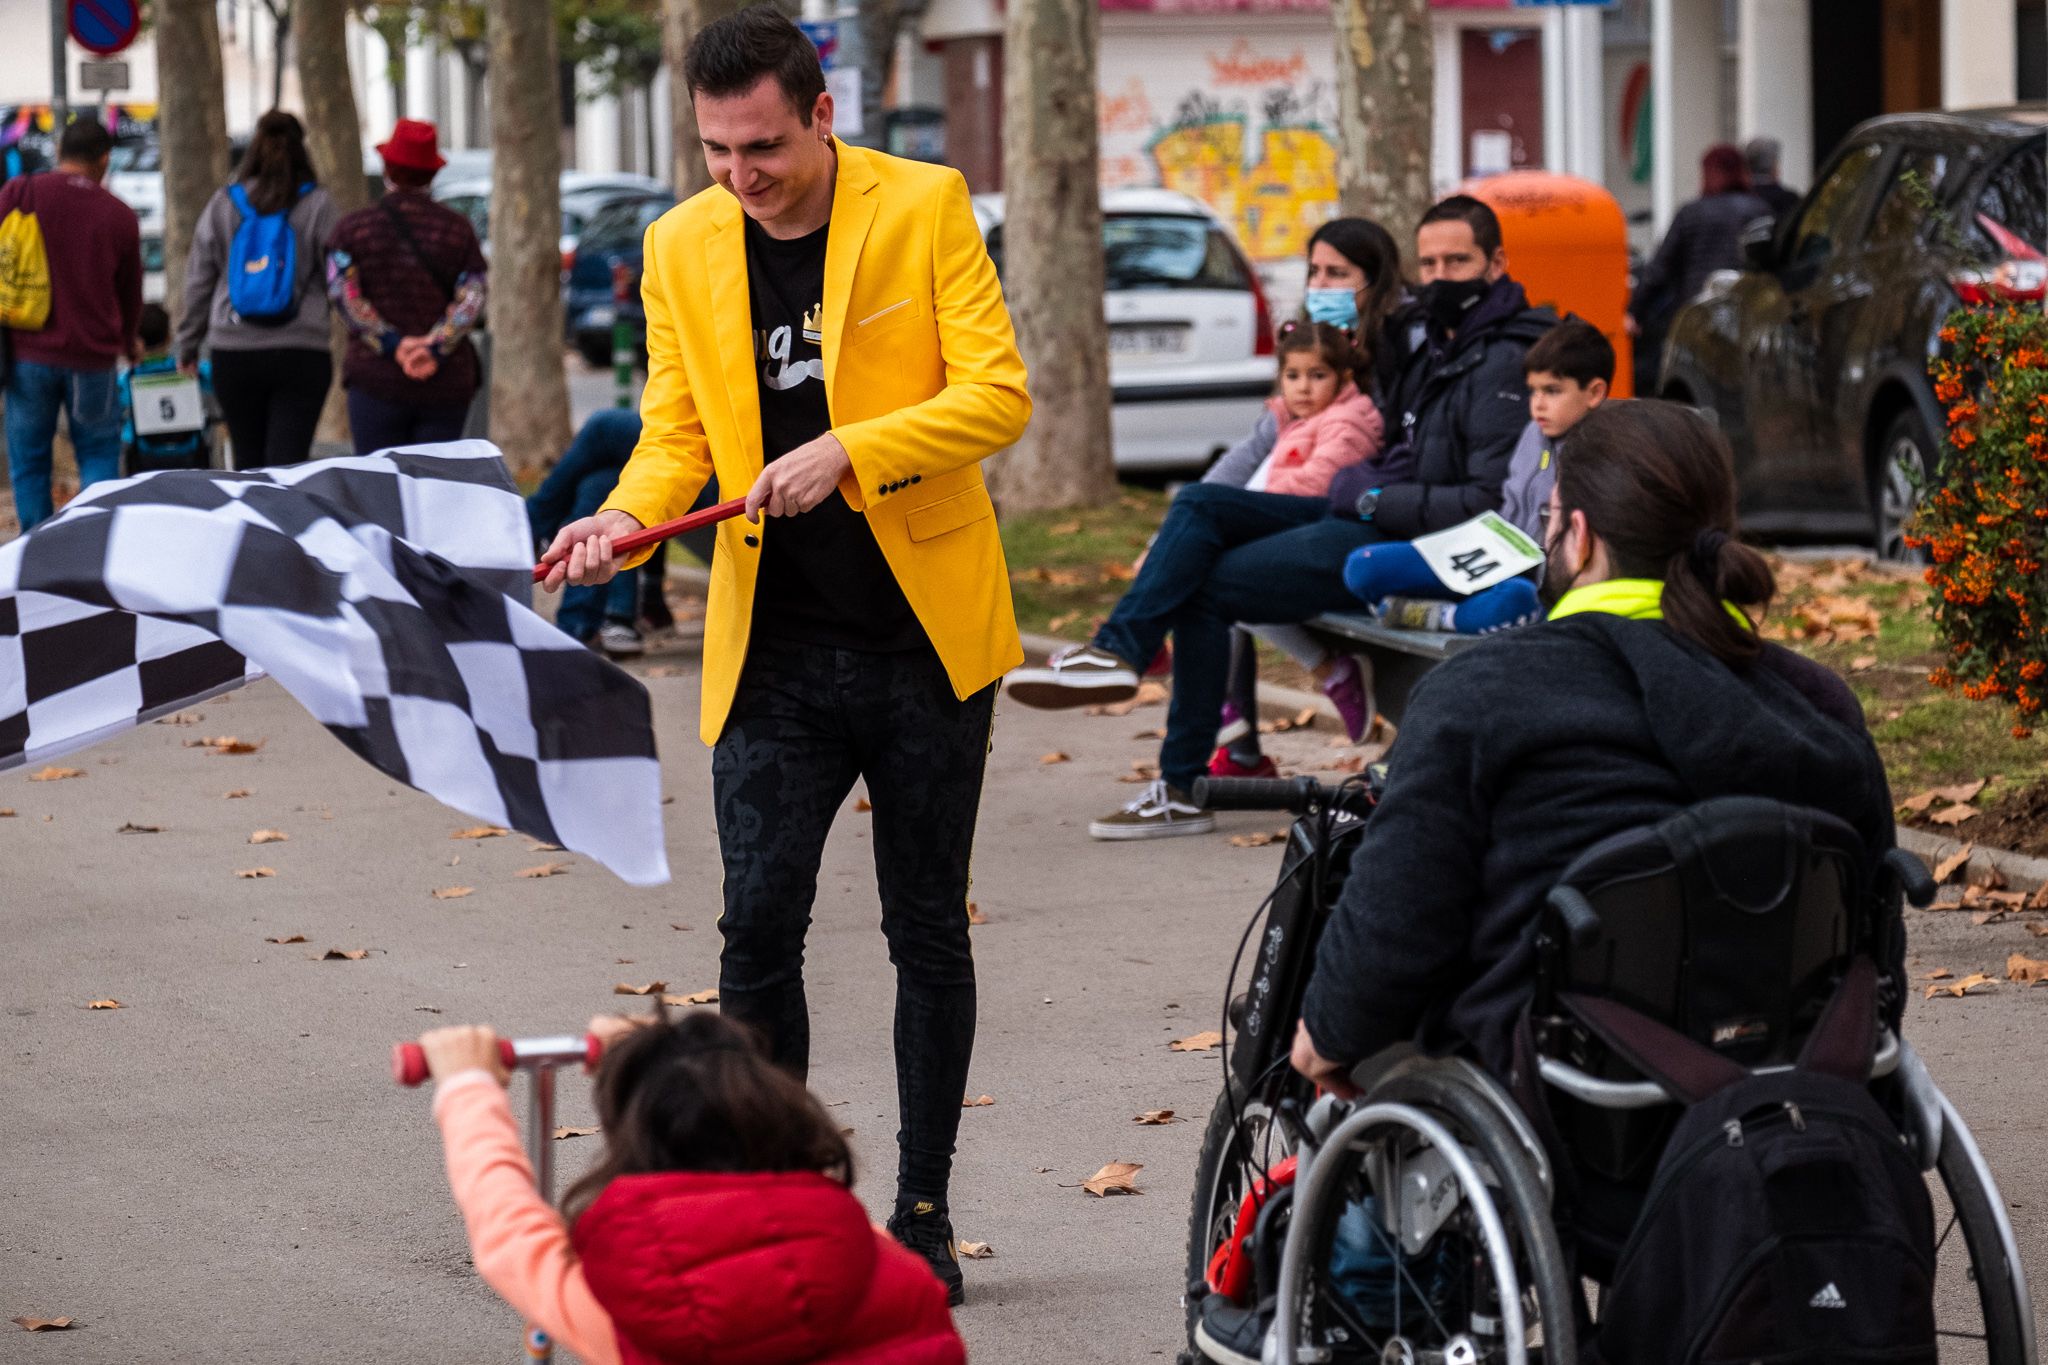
(255, 297)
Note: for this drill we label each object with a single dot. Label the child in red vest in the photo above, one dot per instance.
(717, 1229)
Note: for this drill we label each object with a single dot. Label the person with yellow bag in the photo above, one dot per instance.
(71, 300)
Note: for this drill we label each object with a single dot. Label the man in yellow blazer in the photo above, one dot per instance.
(825, 329)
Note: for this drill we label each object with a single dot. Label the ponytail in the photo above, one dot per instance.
(1657, 485)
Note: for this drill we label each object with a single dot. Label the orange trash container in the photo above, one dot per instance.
(1567, 242)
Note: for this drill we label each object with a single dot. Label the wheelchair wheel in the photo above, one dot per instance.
(1455, 1261)
(2002, 1328)
(1244, 1140)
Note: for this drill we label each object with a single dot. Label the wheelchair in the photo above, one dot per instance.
(1490, 1208)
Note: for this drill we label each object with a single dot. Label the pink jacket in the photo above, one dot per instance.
(1311, 450)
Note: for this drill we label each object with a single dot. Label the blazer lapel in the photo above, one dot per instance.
(853, 213)
(732, 325)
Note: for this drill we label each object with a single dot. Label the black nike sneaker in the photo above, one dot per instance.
(926, 1229)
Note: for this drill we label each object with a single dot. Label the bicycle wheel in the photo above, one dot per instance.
(1992, 1260)
(1243, 1141)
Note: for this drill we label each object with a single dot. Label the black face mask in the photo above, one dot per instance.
(1448, 301)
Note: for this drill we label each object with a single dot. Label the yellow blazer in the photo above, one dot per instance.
(922, 378)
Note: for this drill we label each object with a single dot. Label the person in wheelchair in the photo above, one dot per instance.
(1646, 692)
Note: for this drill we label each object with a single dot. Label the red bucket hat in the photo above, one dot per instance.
(413, 145)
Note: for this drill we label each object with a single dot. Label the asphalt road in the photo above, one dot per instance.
(221, 1169)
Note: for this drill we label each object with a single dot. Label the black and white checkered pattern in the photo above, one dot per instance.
(388, 593)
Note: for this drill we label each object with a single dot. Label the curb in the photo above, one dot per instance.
(2021, 872)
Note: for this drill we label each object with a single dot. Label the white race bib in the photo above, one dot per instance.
(166, 405)
(1476, 554)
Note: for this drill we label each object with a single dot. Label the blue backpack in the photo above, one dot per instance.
(263, 264)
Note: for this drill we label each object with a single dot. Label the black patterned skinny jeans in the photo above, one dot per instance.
(806, 721)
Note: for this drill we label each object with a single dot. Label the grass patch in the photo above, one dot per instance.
(1067, 569)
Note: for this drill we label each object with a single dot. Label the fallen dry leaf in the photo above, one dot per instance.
(1258, 838)
(1063, 528)
(974, 915)
(1118, 1177)
(1305, 717)
(247, 872)
(1862, 662)
(544, 870)
(226, 744)
(42, 1324)
(1061, 622)
(6, 812)
(977, 1102)
(344, 955)
(705, 997)
(451, 893)
(1954, 815)
(2025, 970)
(132, 828)
(569, 1131)
(55, 774)
(1157, 732)
(862, 805)
(1938, 974)
(1056, 756)
(538, 846)
(481, 832)
(2038, 930)
(286, 938)
(235, 795)
(182, 718)
(1154, 1116)
(651, 988)
(975, 1251)
(103, 1004)
(269, 836)
(1947, 867)
(1197, 1042)
(1958, 988)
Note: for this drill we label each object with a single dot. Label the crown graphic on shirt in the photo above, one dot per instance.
(814, 323)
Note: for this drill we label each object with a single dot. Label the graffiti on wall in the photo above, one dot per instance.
(1247, 130)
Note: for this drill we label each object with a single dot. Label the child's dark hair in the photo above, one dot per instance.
(1333, 344)
(153, 328)
(699, 1094)
(1574, 350)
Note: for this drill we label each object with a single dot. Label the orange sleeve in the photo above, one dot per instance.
(519, 1242)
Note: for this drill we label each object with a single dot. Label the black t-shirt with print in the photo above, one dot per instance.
(823, 580)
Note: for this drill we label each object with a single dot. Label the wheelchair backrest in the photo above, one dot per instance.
(1730, 921)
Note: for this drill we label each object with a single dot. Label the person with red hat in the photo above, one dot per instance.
(408, 277)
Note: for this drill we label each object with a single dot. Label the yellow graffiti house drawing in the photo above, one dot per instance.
(1276, 202)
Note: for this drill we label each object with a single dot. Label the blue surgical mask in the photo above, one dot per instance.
(1337, 307)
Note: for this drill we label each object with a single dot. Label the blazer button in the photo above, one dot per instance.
(917, 478)
(752, 541)
(882, 489)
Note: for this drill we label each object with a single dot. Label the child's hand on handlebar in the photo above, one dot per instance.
(1334, 1077)
(461, 1047)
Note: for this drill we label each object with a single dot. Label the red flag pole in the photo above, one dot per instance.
(640, 540)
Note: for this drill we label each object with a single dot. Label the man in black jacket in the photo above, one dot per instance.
(1227, 554)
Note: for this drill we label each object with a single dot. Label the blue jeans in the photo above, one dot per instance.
(577, 487)
(1225, 555)
(91, 404)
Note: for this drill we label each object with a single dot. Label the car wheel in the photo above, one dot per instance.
(1905, 460)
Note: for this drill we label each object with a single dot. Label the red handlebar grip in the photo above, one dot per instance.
(593, 1051)
(409, 1061)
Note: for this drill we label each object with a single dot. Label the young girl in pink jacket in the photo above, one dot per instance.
(1324, 422)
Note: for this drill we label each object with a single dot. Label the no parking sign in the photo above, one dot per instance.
(103, 26)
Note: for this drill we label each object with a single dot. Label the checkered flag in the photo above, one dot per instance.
(388, 593)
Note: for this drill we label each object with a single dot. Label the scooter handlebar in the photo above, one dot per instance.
(409, 1060)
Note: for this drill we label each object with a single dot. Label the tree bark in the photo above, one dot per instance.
(1052, 252)
(1386, 78)
(682, 20)
(192, 127)
(529, 387)
(880, 21)
(334, 139)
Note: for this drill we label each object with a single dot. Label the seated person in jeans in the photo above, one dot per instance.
(1226, 555)
(606, 616)
(1646, 691)
(1568, 373)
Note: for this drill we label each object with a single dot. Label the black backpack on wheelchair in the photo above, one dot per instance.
(1726, 960)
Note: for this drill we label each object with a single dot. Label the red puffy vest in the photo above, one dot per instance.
(757, 1269)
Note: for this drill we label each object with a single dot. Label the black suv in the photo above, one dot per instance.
(1814, 357)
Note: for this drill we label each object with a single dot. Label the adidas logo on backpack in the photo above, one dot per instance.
(1828, 1297)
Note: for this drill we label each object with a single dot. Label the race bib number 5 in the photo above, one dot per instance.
(1476, 554)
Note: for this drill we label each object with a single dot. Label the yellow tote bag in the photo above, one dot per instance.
(24, 272)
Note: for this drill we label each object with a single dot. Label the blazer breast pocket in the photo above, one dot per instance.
(884, 320)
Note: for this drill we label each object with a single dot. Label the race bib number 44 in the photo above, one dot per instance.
(1476, 554)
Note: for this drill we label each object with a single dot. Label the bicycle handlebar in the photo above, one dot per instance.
(409, 1062)
(1296, 795)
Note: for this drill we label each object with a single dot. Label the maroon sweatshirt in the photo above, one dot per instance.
(95, 251)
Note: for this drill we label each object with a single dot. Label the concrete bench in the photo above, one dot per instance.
(1399, 658)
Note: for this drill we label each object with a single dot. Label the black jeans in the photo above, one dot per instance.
(272, 402)
(806, 721)
(377, 424)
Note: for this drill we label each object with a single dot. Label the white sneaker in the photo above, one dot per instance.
(620, 641)
(1159, 812)
(1079, 675)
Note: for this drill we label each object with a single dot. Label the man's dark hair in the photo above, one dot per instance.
(409, 177)
(1463, 208)
(85, 142)
(730, 55)
(1574, 350)
(153, 328)
(277, 163)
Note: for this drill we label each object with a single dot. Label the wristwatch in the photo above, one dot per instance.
(1368, 503)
